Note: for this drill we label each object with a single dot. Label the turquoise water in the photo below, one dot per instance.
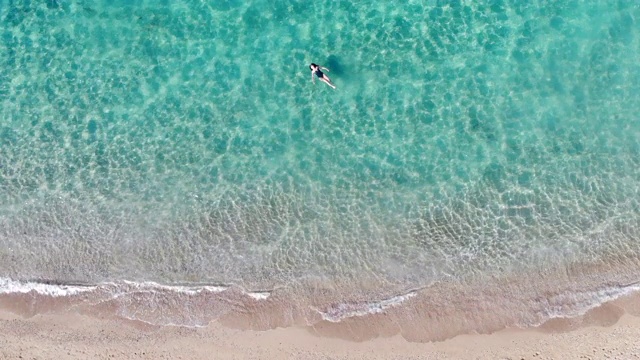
(184, 142)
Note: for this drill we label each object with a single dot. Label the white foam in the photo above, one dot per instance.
(190, 290)
(259, 295)
(8, 286)
(348, 310)
(571, 305)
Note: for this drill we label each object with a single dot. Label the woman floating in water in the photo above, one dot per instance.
(317, 71)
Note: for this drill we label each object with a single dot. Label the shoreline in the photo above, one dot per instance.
(608, 331)
(439, 312)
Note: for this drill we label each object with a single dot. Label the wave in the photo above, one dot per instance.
(435, 312)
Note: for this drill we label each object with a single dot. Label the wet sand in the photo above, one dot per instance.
(608, 332)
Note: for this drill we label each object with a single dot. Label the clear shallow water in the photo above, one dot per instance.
(184, 143)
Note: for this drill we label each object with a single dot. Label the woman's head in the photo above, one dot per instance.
(313, 66)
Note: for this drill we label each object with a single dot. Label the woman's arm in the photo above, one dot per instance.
(324, 68)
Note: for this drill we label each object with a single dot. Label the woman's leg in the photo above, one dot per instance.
(327, 81)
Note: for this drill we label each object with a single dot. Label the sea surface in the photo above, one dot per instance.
(479, 160)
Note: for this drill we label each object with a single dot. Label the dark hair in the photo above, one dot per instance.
(312, 65)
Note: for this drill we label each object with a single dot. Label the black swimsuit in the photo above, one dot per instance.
(319, 73)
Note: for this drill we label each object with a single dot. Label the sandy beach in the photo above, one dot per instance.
(608, 332)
